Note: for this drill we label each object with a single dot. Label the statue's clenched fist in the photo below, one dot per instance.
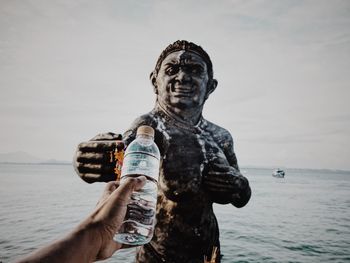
(94, 160)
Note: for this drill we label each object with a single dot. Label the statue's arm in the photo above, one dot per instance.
(228, 148)
(224, 181)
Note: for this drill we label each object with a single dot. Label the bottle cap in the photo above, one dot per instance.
(146, 130)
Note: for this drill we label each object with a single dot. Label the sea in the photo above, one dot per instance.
(304, 217)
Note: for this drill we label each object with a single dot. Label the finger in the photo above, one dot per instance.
(107, 136)
(111, 187)
(220, 173)
(89, 177)
(97, 146)
(95, 158)
(236, 181)
(95, 168)
(116, 204)
(137, 182)
(127, 186)
(213, 186)
(90, 157)
(219, 190)
(218, 176)
(223, 168)
(219, 181)
(220, 167)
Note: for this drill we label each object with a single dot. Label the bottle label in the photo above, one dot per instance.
(139, 163)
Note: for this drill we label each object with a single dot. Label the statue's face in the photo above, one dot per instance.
(182, 80)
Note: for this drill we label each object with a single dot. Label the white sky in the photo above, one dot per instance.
(72, 69)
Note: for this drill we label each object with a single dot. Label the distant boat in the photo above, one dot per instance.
(279, 173)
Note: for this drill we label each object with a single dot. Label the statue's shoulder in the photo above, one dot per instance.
(218, 132)
(224, 140)
(145, 119)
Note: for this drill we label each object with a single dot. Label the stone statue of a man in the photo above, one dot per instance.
(198, 163)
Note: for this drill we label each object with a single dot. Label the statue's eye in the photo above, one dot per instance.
(171, 70)
(196, 69)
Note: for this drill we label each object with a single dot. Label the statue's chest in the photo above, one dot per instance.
(185, 157)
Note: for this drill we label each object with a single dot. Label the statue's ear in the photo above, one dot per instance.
(153, 78)
(212, 84)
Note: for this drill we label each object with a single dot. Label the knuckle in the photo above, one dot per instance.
(81, 145)
(78, 154)
(130, 180)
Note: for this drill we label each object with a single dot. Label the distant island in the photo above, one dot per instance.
(21, 157)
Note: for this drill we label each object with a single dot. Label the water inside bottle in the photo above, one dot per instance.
(138, 228)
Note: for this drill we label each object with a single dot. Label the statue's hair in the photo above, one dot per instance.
(188, 46)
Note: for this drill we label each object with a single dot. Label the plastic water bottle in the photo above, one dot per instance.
(141, 158)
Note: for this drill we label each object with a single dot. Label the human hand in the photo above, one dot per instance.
(94, 160)
(110, 213)
(93, 238)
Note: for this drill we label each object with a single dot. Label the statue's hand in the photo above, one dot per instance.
(226, 184)
(93, 160)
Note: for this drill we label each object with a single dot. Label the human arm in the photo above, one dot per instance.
(92, 239)
(93, 160)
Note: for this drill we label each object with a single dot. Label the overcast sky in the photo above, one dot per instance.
(72, 69)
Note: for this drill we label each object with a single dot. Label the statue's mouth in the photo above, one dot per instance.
(182, 91)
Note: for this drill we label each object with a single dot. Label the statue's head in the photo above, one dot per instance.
(183, 76)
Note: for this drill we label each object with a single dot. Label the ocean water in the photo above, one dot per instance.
(304, 217)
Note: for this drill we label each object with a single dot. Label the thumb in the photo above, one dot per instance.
(115, 206)
(127, 186)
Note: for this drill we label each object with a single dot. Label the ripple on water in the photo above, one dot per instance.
(307, 249)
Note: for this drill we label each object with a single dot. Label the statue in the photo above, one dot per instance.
(198, 162)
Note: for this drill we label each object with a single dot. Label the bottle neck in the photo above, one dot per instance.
(145, 136)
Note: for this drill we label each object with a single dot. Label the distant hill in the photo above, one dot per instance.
(26, 158)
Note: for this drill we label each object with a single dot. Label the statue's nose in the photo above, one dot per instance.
(182, 76)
